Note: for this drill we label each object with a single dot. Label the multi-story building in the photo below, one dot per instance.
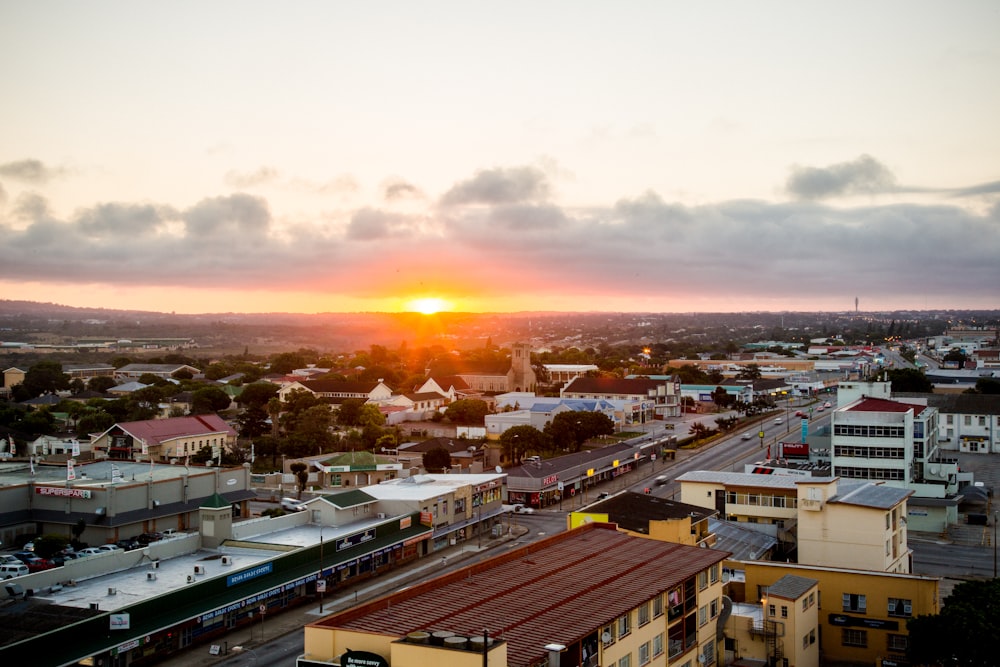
(175, 438)
(590, 596)
(862, 614)
(783, 629)
(649, 398)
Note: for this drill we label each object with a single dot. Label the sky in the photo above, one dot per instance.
(568, 155)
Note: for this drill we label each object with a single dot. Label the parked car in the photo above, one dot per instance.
(104, 548)
(129, 544)
(9, 558)
(170, 532)
(90, 551)
(11, 570)
(24, 555)
(146, 538)
(37, 564)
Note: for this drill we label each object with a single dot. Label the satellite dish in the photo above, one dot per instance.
(606, 637)
(701, 659)
(498, 469)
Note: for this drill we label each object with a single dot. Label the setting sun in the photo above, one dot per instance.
(428, 306)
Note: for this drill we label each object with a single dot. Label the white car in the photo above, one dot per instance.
(748, 435)
(91, 551)
(104, 548)
(778, 420)
(523, 509)
(828, 405)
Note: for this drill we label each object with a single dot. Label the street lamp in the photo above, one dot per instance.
(320, 582)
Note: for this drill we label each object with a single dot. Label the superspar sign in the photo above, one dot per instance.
(62, 491)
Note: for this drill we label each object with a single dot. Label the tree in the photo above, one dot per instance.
(721, 398)
(909, 380)
(301, 471)
(349, 411)
(257, 394)
(101, 383)
(208, 400)
(987, 386)
(252, 422)
(370, 415)
(436, 460)
(467, 411)
(45, 377)
(966, 631)
(517, 441)
(750, 372)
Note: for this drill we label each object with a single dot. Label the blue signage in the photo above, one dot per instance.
(247, 575)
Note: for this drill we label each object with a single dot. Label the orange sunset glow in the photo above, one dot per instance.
(428, 305)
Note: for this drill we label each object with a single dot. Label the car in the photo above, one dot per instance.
(28, 546)
(145, 538)
(523, 509)
(129, 544)
(292, 505)
(602, 495)
(104, 548)
(778, 420)
(799, 413)
(91, 551)
(748, 435)
(828, 404)
(24, 555)
(11, 570)
(820, 409)
(170, 532)
(664, 479)
(36, 564)
(9, 559)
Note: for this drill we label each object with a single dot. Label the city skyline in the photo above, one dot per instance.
(652, 157)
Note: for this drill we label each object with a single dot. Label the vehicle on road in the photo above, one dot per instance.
(602, 495)
(747, 436)
(664, 479)
(292, 505)
(778, 420)
(828, 404)
(523, 509)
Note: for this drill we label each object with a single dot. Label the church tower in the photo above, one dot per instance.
(521, 376)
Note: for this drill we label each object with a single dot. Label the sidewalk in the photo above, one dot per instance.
(293, 620)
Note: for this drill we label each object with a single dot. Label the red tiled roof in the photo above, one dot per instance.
(884, 405)
(162, 430)
(557, 590)
(605, 385)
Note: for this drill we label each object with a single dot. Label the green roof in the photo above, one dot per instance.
(215, 501)
(362, 460)
(347, 499)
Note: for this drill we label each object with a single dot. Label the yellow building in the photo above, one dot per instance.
(590, 596)
(782, 629)
(645, 515)
(862, 614)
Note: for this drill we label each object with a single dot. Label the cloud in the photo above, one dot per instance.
(395, 190)
(500, 186)
(976, 190)
(865, 175)
(638, 247)
(3, 195)
(30, 171)
(261, 176)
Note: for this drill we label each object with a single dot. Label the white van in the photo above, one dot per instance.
(292, 505)
(9, 570)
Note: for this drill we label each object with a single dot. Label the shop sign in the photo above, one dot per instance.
(363, 659)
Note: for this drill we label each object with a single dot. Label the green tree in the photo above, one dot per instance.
(965, 633)
(436, 460)
(45, 377)
(252, 422)
(909, 380)
(257, 394)
(101, 383)
(301, 471)
(208, 400)
(721, 398)
(36, 423)
(467, 411)
(370, 415)
(517, 441)
(987, 386)
(749, 372)
(350, 411)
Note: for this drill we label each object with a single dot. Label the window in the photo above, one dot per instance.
(812, 637)
(658, 606)
(784, 611)
(625, 660)
(702, 580)
(608, 634)
(900, 607)
(855, 603)
(644, 613)
(658, 645)
(713, 573)
(644, 654)
(805, 603)
(811, 598)
(770, 611)
(713, 608)
(852, 637)
(805, 641)
(702, 615)
(624, 625)
(896, 642)
(709, 652)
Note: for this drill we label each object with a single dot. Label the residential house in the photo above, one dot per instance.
(337, 391)
(645, 398)
(165, 371)
(174, 438)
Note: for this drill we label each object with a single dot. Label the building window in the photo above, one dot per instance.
(702, 580)
(702, 615)
(625, 660)
(855, 603)
(713, 573)
(713, 608)
(658, 606)
(608, 634)
(812, 637)
(644, 657)
(811, 599)
(770, 611)
(643, 614)
(709, 652)
(896, 642)
(658, 645)
(784, 611)
(805, 604)
(852, 637)
(624, 625)
(900, 607)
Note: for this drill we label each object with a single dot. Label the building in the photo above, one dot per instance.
(862, 614)
(646, 515)
(590, 596)
(966, 423)
(820, 521)
(538, 411)
(517, 376)
(337, 391)
(563, 373)
(165, 371)
(86, 372)
(783, 629)
(467, 454)
(650, 399)
(173, 439)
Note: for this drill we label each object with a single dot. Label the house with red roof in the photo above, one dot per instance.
(164, 439)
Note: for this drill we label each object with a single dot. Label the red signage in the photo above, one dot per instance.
(794, 450)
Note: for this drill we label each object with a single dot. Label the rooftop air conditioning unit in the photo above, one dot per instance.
(381, 515)
(150, 576)
(156, 564)
(112, 590)
(198, 569)
(190, 578)
(226, 560)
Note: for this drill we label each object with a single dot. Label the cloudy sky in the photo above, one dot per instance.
(502, 156)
